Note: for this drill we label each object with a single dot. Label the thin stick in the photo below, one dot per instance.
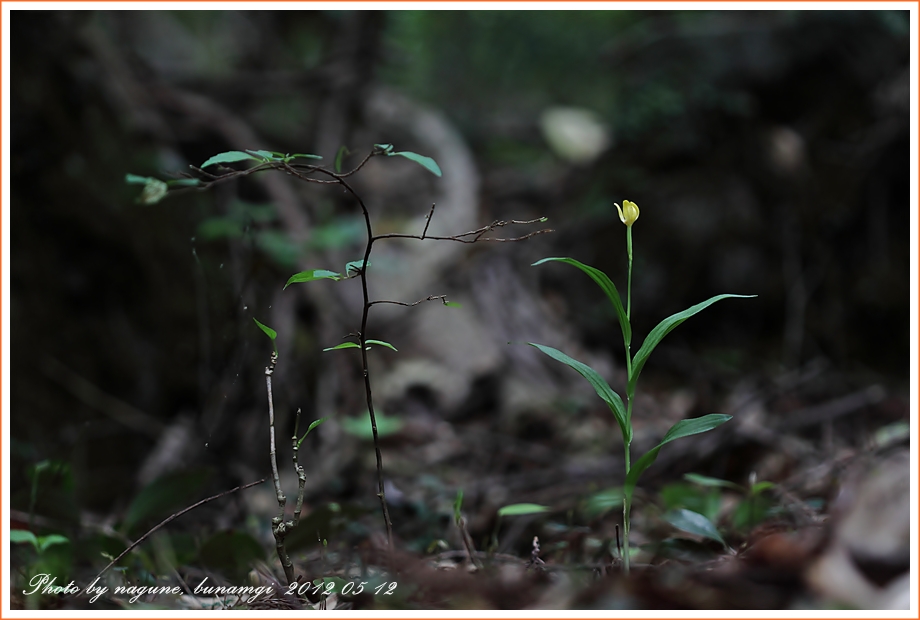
(428, 219)
(443, 299)
(279, 527)
(172, 518)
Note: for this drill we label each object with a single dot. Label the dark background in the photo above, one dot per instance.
(768, 153)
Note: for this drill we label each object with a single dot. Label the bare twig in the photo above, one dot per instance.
(443, 299)
(303, 172)
(279, 527)
(172, 518)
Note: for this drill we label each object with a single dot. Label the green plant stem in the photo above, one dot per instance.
(629, 398)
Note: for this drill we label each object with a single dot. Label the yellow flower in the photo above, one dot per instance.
(629, 213)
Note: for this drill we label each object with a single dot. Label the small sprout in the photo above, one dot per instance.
(154, 191)
(268, 332)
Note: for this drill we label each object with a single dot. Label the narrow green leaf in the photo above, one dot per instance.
(426, 162)
(706, 481)
(452, 304)
(183, 182)
(339, 158)
(263, 155)
(313, 425)
(312, 274)
(603, 501)
(344, 345)
(694, 523)
(606, 285)
(24, 536)
(305, 156)
(361, 426)
(268, 332)
(600, 386)
(50, 540)
(386, 148)
(663, 329)
(684, 428)
(760, 487)
(229, 157)
(458, 504)
(382, 343)
(133, 179)
(515, 510)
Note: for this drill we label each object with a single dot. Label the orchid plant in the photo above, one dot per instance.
(629, 213)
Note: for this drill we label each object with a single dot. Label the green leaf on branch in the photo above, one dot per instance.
(606, 285)
(268, 332)
(133, 179)
(600, 386)
(684, 428)
(452, 304)
(515, 510)
(386, 148)
(694, 523)
(304, 156)
(663, 329)
(265, 156)
(230, 157)
(184, 182)
(344, 345)
(355, 267)
(381, 343)
(313, 425)
(313, 274)
(426, 162)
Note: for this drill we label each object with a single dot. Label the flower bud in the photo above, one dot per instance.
(629, 213)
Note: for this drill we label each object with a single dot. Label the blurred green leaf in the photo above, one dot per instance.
(311, 275)
(229, 157)
(264, 155)
(305, 156)
(344, 345)
(24, 536)
(134, 179)
(426, 162)
(231, 553)
(694, 523)
(458, 504)
(452, 304)
(50, 540)
(339, 158)
(169, 493)
(154, 191)
(706, 481)
(515, 510)
(707, 500)
(602, 502)
(360, 427)
(219, 228)
(381, 343)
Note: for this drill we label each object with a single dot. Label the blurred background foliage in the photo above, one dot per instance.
(768, 152)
